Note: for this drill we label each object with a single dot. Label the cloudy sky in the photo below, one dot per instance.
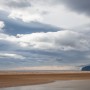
(44, 34)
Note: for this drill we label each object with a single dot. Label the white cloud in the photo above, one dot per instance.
(1, 25)
(21, 10)
(26, 15)
(61, 40)
(10, 55)
(42, 11)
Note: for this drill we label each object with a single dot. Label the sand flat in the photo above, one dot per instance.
(11, 78)
(58, 85)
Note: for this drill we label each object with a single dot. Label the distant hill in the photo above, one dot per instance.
(86, 68)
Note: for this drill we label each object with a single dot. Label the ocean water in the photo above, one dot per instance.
(58, 85)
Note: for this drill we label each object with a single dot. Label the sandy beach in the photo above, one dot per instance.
(12, 79)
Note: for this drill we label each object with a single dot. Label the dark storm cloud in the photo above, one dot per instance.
(22, 4)
(15, 3)
(81, 6)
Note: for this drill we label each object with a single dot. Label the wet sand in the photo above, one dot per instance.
(12, 79)
(58, 85)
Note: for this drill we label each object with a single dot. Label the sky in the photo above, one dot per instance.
(44, 34)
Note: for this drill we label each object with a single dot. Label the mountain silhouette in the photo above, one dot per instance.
(86, 68)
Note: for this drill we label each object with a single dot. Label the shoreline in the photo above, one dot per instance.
(13, 78)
